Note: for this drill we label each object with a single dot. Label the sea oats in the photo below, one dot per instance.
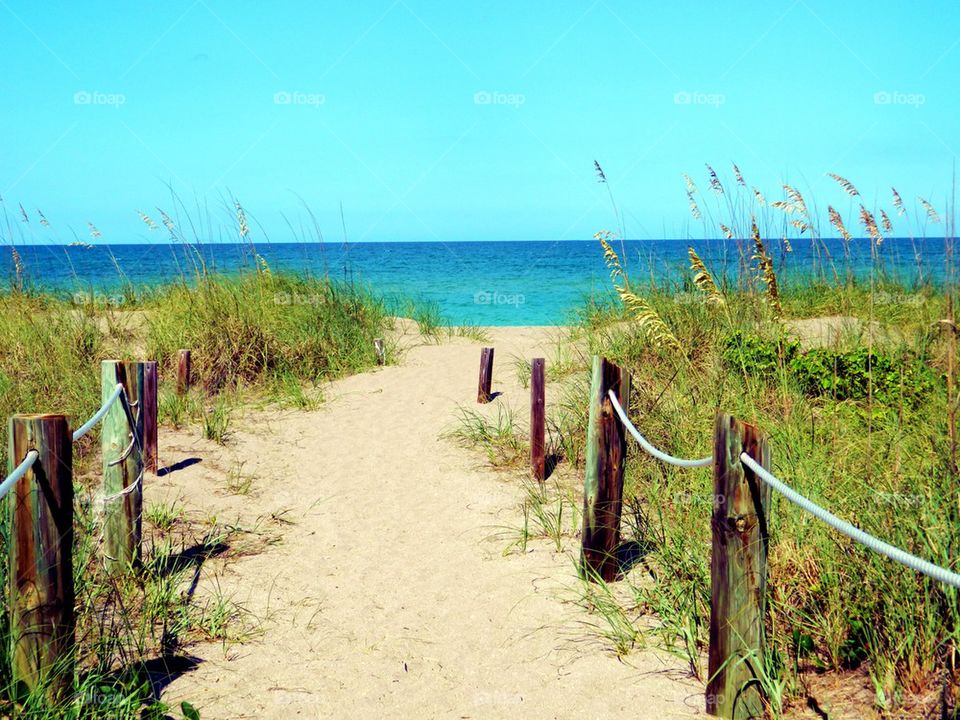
(847, 186)
(714, 181)
(151, 225)
(694, 209)
(727, 232)
(703, 279)
(767, 273)
(43, 218)
(601, 176)
(23, 214)
(738, 176)
(931, 212)
(759, 196)
(898, 202)
(796, 199)
(691, 186)
(837, 222)
(885, 222)
(869, 223)
(94, 233)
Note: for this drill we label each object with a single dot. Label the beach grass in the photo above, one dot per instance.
(262, 335)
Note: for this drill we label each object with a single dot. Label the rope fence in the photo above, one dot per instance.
(742, 484)
(41, 512)
(854, 533)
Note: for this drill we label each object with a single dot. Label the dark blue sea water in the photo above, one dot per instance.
(484, 283)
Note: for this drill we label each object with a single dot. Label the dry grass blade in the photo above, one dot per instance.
(931, 211)
(847, 186)
(151, 225)
(898, 202)
(796, 199)
(767, 273)
(715, 184)
(648, 320)
(738, 176)
(885, 222)
(870, 225)
(837, 222)
(703, 279)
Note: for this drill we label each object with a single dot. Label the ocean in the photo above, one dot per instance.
(480, 283)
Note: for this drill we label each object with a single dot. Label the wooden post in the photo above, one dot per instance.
(603, 478)
(40, 584)
(183, 372)
(380, 351)
(486, 375)
(537, 420)
(150, 416)
(738, 571)
(122, 465)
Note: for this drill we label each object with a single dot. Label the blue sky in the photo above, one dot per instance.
(454, 121)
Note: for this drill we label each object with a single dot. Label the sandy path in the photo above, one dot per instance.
(388, 594)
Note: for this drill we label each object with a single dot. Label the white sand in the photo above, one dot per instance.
(388, 594)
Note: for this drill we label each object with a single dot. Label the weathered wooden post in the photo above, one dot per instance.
(538, 420)
(122, 443)
(40, 584)
(380, 351)
(183, 372)
(486, 375)
(603, 478)
(738, 571)
(150, 416)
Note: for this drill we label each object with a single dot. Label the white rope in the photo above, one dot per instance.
(18, 472)
(645, 444)
(894, 553)
(98, 416)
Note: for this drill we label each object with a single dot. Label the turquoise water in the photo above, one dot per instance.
(483, 283)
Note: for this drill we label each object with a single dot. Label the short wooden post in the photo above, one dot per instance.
(183, 372)
(738, 571)
(486, 375)
(380, 351)
(603, 478)
(538, 420)
(122, 442)
(150, 416)
(40, 584)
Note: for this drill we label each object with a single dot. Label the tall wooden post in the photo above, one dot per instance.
(150, 416)
(486, 375)
(40, 584)
(122, 443)
(603, 478)
(738, 571)
(537, 420)
(183, 372)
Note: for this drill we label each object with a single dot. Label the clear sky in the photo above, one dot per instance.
(440, 120)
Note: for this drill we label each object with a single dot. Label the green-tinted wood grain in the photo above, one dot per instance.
(122, 466)
(41, 592)
(603, 477)
(738, 570)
